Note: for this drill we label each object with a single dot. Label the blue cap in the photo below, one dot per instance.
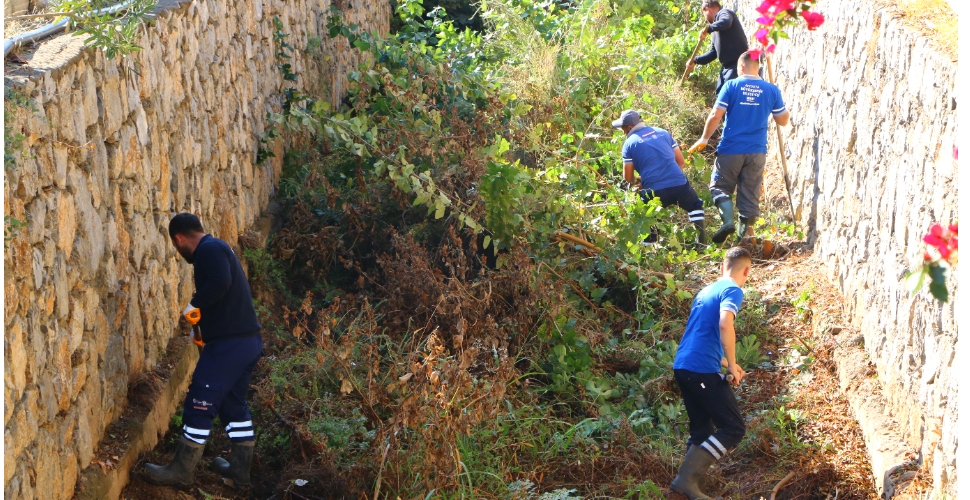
(627, 118)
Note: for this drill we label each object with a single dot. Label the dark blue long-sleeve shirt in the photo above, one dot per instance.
(222, 292)
(728, 40)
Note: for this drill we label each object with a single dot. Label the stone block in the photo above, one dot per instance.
(112, 108)
(60, 166)
(89, 97)
(90, 245)
(15, 357)
(61, 285)
(66, 222)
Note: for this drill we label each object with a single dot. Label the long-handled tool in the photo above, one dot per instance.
(781, 151)
(692, 56)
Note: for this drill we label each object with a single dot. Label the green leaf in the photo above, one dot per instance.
(914, 279)
(321, 107)
(938, 284)
(488, 239)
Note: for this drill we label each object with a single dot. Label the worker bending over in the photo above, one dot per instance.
(656, 158)
(222, 308)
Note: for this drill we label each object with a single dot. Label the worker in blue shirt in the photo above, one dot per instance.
(747, 102)
(728, 41)
(708, 343)
(222, 309)
(656, 158)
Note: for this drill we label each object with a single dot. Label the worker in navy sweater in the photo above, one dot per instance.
(222, 309)
(716, 425)
(728, 41)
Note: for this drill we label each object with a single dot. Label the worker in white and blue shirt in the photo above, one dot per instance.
(747, 102)
(716, 425)
(656, 158)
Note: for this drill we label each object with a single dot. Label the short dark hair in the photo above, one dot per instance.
(746, 58)
(185, 224)
(734, 255)
(710, 3)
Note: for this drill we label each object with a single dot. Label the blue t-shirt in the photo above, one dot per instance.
(700, 349)
(748, 101)
(651, 150)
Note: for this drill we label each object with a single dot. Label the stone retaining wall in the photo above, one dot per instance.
(93, 287)
(872, 155)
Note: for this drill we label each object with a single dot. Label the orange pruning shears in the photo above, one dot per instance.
(193, 318)
(197, 336)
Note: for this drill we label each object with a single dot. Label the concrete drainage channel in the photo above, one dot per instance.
(152, 402)
(889, 454)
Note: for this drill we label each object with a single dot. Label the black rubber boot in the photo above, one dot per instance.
(701, 226)
(180, 473)
(235, 471)
(726, 207)
(745, 227)
(688, 479)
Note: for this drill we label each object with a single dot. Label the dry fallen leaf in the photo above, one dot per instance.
(346, 387)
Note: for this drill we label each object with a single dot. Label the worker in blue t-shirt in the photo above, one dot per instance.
(656, 158)
(747, 101)
(708, 343)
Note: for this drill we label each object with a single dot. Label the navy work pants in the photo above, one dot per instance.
(219, 386)
(683, 196)
(715, 420)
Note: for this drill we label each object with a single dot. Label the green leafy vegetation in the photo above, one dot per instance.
(462, 305)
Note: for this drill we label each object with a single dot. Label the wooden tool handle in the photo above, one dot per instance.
(692, 56)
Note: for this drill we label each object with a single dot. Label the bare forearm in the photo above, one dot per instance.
(728, 339)
(712, 121)
(628, 173)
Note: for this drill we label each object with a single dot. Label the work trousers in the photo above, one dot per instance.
(744, 172)
(726, 74)
(219, 386)
(683, 196)
(715, 420)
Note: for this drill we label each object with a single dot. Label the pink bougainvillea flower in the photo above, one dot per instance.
(813, 19)
(953, 229)
(762, 36)
(783, 5)
(936, 230)
(756, 53)
(763, 8)
(770, 49)
(944, 251)
(953, 243)
(766, 20)
(933, 240)
(956, 153)
(927, 256)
